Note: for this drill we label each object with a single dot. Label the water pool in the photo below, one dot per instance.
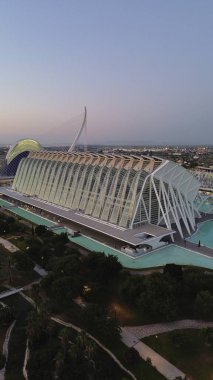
(204, 234)
(205, 204)
(34, 218)
(170, 254)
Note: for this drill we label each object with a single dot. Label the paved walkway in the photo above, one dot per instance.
(41, 271)
(159, 328)
(26, 358)
(10, 292)
(188, 244)
(131, 336)
(194, 247)
(5, 349)
(8, 245)
(168, 370)
(29, 286)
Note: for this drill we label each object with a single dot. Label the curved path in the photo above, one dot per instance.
(131, 337)
(78, 329)
(159, 328)
(167, 369)
(26, 358)
(5, 348)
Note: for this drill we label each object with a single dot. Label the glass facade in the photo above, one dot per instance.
(126, 191)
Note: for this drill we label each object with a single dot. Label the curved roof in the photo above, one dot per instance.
(25, 145)
(119, 190)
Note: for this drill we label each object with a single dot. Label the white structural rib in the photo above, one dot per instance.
(72, 147)
(126, 191)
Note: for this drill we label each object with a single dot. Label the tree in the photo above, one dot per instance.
(6, 314)
(87, 345)
(68, 265)
(158, 298)
(59, 363)
(40, 230)
(35, 293)
(75, 356)
(101, 268)
(65, 288)
(34, 249)
(174, 271)
(64, 337)
(101, 324)
(208, 336)
(37, 326)
(130, 288)
(203, 306)
(195, 280)
(22, 261)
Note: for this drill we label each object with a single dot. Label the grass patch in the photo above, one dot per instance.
(19, 242)
(191, 354)
(140, 368)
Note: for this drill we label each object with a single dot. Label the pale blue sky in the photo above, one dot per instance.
(143, 68)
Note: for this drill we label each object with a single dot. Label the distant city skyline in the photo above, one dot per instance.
(142, 68)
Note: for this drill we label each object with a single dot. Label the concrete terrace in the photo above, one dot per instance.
(171, 254)
(129, 236)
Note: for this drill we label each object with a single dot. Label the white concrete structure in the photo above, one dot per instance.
(81, 129)
(22, 146)
(205, 177)
(127, 192)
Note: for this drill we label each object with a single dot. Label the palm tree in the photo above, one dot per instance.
(37, 325)
(87, 348)
(64, 336)
(33, 328)
(35, 292)
(59, 363)
(86, 344)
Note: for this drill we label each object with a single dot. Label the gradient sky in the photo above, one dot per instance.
(144, 68)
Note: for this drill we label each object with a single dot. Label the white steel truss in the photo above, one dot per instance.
(123, 190)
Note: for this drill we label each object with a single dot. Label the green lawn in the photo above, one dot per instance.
(141, 369)
(191, 354)
(19, 242)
